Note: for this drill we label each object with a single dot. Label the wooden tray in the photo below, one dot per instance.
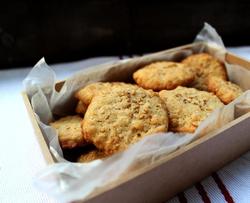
(175, 171)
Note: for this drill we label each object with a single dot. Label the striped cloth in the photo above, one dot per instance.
(230, 184)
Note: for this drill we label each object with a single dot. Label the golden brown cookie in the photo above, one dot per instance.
(69, 131)
(88, 92)
(163, 75)
(188, 107)
(81, 107)
(225, 90)
(205, 65)
(92, 155)
(122, 116)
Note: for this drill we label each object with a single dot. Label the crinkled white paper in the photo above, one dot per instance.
(71, 181)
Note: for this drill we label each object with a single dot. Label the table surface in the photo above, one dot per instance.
(21, 159)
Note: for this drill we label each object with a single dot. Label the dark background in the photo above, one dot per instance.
(73, 30)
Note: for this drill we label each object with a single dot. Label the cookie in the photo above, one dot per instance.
(188, 107)
(205, 65)
(86, 94)
(225, 90)
(122, 116)
(91, 156)
(81, 108)
(163, 75)
(69, 131)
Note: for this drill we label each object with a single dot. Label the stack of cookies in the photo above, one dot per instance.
(167, 96)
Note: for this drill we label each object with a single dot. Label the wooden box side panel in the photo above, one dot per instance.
(40, 138)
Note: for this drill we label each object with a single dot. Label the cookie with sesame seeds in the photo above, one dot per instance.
(122, 116)
(163, 75)
(225, 90)
(91, 155)
(86, 93)
(204, 65)
(69, 131)
(188, 107)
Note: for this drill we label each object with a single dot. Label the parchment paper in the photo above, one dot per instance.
(68, 181)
